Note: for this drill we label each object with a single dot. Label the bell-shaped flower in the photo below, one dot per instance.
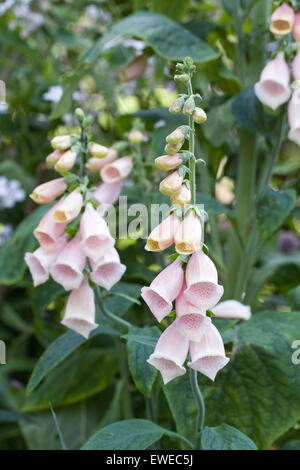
(171, 184)
(66, 161)
(117, 170)
(296, 66)
(40, 261)
(163, 235)
(296, 28)
(94, 234)
(232, 309)
(96, 164)
(208, 355)
(188, 235)
(48, 231)
(49, 191)
(68, 267)
(294, 119)
(201, 276)
(273, 88)
(168, 162)
(192, 321)
(108, 270)
(170, 353)
(69, 208)
(164, 289)
(107, 193)
(182, 197)
(282, 20)
(80, 310)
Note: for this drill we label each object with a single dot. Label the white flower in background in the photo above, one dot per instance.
(11, 192)
(53, 94)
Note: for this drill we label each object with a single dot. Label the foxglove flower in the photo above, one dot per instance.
(294, 120)
(170, 353)
(61, 142)
(68, 267)
(108, 270)
(168, 162)
(49, 191)
(80, 310)
(96, 164)
(48, 231)
(282, 20)
(94, 234)
(232, 309)
(188, 235)
(296, 28)
(117, 170)
(163, 290)
(208, 355)
(171, 184)
(192, 321)
(296, 66)
(68, 208)
(201, 275)
(66, 161)
(163, 235)
(182, 197)
(107, 193)
(273, 88)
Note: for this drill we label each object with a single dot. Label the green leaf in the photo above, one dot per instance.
(131, 434)
(258, 391)
(7, 416)
(12, 264)
(167, 38)
(143, 374)
(175, 9)
(212, 206)
(273, 208)
(126, 295)
(82, 375)
(145, 340)
(219, 124)
(225, 437)
(248, 111)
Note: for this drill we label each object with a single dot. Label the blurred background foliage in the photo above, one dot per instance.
(116, 60)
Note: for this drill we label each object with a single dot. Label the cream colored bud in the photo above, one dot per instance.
(171, 184)
(182, 197)
(61, 142)
(66, 161)
(199, 116)
(98, 151)
(175, 137)
(173, 148)
(135, 137)
(54, 157)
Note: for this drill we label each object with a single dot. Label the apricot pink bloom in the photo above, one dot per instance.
(296, 66)
(168, 162)
(192, 321)
(49, 191)
(273, 88)
(296, 28)
(69, 208)
(294, 119)
(188, 236)
(96, 164)
(94, 234)
(201, 275)
(107, 193)
(170, 353)
(108, 270)
(232, 309)
(39, 261)
(163, 235)
(68, 267)
(80, 310)
(208, 356)
(171, 184)
(117, 170)
(48, 231)
(163, 290)
(282, 20)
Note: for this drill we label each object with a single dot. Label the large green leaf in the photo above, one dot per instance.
(219, 124)
(143, 374)
(167, 38)
(131, 434)
(12, 264)
(248, 110)
(225, 437)
(258, 391)
(82, 375)
(273, 207)
(175, 9)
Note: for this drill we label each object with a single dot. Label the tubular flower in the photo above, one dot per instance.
(192, 321)
(69, 208)
(80, 310)
(188, 235)
(171, 184)
(282, 20)
(48, 231)
(232, 309)
(201, 275)
(117, 170)
(208, 355)
(66, 161)
(168, 162)
(94, 233)
(163, 290)
(273, 88)
(68, 267)
(163, 235)
(170, 353)
(107, 193)
(182, 198)
(96, 164)
(294, 120)
(296, 28)
(53, 157)
(296, 66)
(49, 191)
(108, 270)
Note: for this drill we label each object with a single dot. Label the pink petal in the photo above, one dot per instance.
(67, 269)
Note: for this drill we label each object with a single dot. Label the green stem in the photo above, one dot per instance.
(111, 316)
(192, 164)
(200, 407)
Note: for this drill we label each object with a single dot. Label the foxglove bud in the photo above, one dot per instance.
(189, 106)
(182, 197)
(282, 20)
(135, 137)
(173, 148)
(199, 116)
(176, 107)
(53, 157)
(49, 191)
(98, 151)
(171, 184)
(66, 161)
(61, 142)
(168, 162)
(176, 137)
(182, 78)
